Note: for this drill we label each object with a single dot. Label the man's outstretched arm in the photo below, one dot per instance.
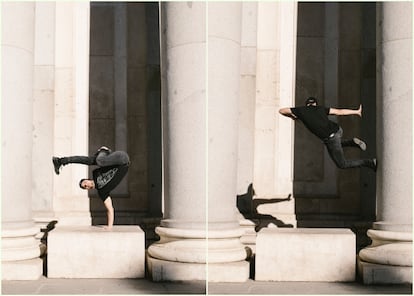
(339, 112)
(288, 113)
(110, 212)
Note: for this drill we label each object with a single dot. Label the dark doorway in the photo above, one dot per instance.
(125, 105)
(336, 62)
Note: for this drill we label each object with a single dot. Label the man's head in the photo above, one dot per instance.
(311, 101)
(86, 184)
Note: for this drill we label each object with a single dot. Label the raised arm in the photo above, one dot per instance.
(288, 113)
(341, 112)
(110, 212)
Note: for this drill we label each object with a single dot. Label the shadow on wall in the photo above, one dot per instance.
(248, 205)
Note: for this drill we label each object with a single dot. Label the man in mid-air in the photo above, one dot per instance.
(315, 118)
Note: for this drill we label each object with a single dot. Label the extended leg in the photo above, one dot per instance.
(59, 161)
(355, 142)
(334, 146)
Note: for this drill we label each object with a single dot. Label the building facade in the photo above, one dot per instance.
(191, 90)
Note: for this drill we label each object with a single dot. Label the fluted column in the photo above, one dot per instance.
(20, 250)
(182, 250)
(247, 109)
(275, 87)
(192, 245)
(389, 258)
(43, 114)
(71, 109)
(224, 42)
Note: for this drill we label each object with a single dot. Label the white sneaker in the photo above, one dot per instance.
(360, 143)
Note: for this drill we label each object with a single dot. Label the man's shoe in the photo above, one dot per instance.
(361, 144)
(57, 164)
(104, 148)
(372, 164)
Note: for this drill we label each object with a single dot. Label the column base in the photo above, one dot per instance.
(249, 236)
(372, 273)
(161, 270)
(25, 270)
(388, 260)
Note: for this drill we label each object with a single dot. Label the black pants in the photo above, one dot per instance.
(335, 145)
(103, 159)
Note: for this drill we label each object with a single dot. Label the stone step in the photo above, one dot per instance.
(93, 252)
(305, 254)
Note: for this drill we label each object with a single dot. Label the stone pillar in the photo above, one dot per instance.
(389, 258)
(20, 250)
(71, 109)
(182, 250)
(247, 96)
(273, 169)
(247, 105)
(226, 256)
(190, 244)
(43, 114)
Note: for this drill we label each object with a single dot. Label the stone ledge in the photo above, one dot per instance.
(305, 254)
(93, 252)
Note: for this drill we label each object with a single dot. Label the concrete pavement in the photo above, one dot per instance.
(46, 286)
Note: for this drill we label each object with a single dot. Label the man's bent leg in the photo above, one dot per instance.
(115, 158)
(355, 142)
(334, 146)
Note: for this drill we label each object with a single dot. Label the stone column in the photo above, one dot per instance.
(20, 250)
(189, 136)
(273, 169)
(389, 258)
(182, 250)
(226, 256)
(71, 109)
(247, 105)
(43, 114)
(247, 96)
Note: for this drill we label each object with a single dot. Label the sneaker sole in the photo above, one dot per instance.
(361, 144)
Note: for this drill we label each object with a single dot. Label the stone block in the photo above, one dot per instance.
(27, 270)
(305, 254)
(93, 252)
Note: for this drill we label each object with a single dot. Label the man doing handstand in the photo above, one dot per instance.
(113, 166)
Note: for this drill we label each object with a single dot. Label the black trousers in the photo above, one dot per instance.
(335, 146)
(103, 159)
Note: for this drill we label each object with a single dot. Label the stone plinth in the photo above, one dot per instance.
(162, 270)
(374, 274)
(26, 270)
(388, 260)
(93, 252)
(187, 254)
(306, 254)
